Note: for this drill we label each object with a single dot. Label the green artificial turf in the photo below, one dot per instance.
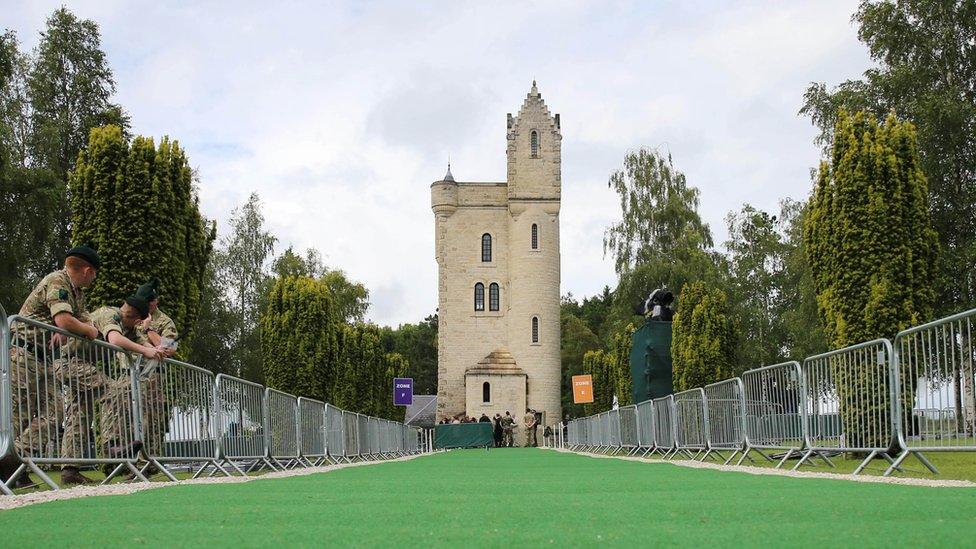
(509, 498)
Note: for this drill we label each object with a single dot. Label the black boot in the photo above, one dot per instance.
(8, 466)
(71, 475)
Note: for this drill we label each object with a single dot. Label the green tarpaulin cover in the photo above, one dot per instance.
(463, 435)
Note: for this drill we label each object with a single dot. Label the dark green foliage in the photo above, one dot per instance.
(595, 364)
(364, 373)
(577, 341)
(417, 343)
(69, 87)
(871, 250)
(138, 204)
(299, 337)
(868, 234)
(618, 358)
(703, 341)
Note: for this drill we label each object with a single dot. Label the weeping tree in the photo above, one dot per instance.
(703, 337)
(138, 204)
(872, 252)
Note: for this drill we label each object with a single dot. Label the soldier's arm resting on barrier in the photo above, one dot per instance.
(117, 339)
(66, 321)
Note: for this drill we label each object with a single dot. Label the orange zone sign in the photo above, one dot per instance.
(582, 389)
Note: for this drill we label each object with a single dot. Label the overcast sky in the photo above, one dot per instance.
(341, 114)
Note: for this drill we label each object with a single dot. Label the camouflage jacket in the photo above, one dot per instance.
(53, 295)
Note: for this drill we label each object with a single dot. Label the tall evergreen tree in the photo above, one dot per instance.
(871, 248)
(138, 205)
(925, 70)
(703, 340)
(299, 337)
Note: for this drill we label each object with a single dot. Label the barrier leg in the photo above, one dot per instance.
(865, 462)
(117, 470)
(163, 470)
(801, 460)
(37, 471)
(785, 457)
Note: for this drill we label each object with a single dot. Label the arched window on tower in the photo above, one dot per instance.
(494, 299)
(479, 297)
(486, 248)
(534, 141)
(535, 236)
(486, 392)
(535, 329)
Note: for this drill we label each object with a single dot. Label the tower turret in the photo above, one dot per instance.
(534, 150)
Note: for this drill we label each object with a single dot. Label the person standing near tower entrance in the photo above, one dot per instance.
(530, 437)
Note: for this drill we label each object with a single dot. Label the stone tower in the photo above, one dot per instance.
(497, 250)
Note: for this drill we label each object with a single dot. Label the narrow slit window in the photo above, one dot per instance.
(486, 248)
(479, 297)
(535, 236)
(494, 299)
(534, 140)
(486, 392)
(535, 329)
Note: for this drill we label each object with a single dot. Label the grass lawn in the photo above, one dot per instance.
(506, 498)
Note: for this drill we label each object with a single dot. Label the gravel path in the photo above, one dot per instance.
(786, 473)
(22, 500)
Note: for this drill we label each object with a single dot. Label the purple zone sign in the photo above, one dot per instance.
(402, 391)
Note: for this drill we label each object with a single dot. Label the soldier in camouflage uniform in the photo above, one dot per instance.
(160, 330)
(58, 300)
(88, 382)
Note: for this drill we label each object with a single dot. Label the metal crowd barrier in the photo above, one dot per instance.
(60, 385)
(605, 440)
(374, 436)
(6, 436)
(664, 425)
(335, 428)
(176, 402)
(645, 427)
(69, 401)
(860, 377)
(627, 424)
(613, 423)
(773, 411)
(936, 388)
(884, 400)
(282, 428)
(312, 432)
(240, 423)
(724, 410)
(351, 432)
(692, 423)
(362, 430)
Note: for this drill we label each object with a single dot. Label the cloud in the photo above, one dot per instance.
(341, 114)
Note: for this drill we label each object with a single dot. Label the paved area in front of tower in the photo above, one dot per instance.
(508, 497)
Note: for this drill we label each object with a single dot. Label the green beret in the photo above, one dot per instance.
(138, 303)
(87, 252)
(149, 290)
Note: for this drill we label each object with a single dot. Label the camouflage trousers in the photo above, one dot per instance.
(38, 407)
(85, 384)
(507, 437)
(115, 423)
